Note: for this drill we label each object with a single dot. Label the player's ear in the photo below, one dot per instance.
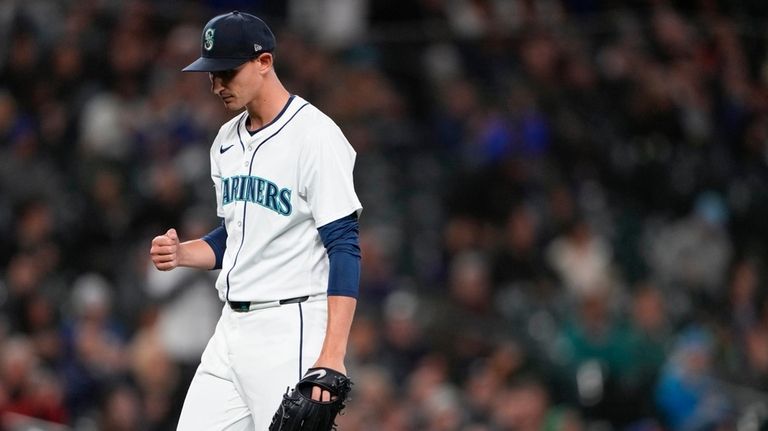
(265, 61)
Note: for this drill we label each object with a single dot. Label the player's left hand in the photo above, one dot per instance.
(299, 411)
(319, 394)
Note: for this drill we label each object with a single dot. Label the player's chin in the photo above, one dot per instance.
(232, 104)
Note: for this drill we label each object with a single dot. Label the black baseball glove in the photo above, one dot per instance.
(299, 412)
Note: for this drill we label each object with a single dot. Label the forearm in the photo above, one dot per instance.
(341, 241)
(341, 311)
(196, 254)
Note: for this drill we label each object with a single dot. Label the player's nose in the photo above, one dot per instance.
(216, 86)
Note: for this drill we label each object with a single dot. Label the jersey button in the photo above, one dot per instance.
(250, 147)
(246, 163)
(239, 224)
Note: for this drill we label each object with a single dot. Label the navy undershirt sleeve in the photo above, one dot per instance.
(217, 239)
(342, 243)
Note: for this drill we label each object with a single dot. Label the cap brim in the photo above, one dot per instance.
(203, 64)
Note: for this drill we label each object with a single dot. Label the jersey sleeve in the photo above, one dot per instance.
(325, 179)
(216, 177)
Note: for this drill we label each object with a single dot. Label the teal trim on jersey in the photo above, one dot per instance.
(285, 202)
(235, 188)
(225, 190)
(241, 193)
(244, 188)
(250, 190)
(271, 202)
(260, 186)
(250, 172)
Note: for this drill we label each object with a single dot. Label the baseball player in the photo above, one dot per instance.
(288, 244)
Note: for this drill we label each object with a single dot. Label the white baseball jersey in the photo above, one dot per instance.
(274, 189)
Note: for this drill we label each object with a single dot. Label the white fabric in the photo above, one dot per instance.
(273, 248)
(248, 364)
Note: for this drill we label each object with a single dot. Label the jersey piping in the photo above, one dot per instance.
(301, 337)
(250, 171)
(245, 115)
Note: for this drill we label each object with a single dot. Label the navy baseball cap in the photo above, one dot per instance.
(230, 40)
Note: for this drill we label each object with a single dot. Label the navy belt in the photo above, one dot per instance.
(243, 306)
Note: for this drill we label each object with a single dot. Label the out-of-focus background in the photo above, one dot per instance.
(565, 225)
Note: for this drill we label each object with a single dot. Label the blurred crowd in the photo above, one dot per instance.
(565, 224)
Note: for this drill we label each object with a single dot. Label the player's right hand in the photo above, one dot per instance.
(164, 251)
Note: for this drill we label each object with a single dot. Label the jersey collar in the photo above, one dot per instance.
(274, 121)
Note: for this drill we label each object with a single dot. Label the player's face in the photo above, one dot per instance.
(235, 87)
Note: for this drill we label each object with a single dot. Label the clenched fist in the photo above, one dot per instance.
(164, 251)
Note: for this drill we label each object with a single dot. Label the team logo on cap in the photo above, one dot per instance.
(208, 44)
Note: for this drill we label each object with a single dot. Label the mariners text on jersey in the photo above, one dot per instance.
(248, 188)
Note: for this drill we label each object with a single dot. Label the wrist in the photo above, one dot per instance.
(331, 357)
(334, 363)
(181, 255)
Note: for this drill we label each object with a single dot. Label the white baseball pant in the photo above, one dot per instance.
(249, 362)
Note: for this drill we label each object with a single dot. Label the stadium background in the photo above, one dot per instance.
(565, 225)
